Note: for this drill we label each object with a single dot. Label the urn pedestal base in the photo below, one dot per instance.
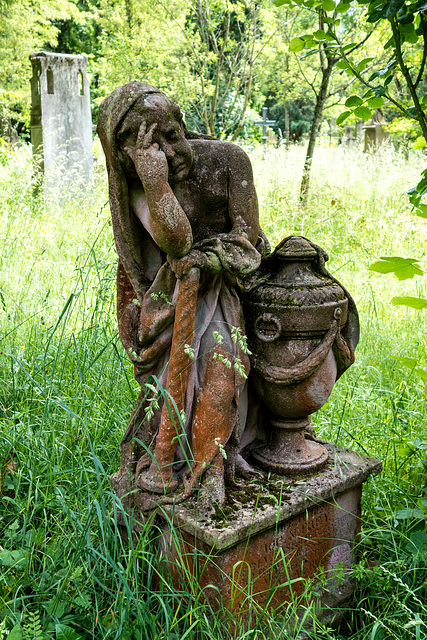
(288, 452)
(259, 550)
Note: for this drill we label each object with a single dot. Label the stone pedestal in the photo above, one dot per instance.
(254, 551)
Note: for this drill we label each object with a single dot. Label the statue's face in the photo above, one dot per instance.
(168, 133)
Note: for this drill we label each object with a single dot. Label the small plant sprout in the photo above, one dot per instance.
(153, 401)
(136, 302)
(218, 337)
(3, 630)
(162, 295)
(182, 416)
(238, 336)
(238, 365)
(221, 448)
(221, 358)
(189, 351)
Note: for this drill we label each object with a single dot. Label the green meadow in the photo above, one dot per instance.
(67, 388)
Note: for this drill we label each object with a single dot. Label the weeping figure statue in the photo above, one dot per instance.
(185, 220)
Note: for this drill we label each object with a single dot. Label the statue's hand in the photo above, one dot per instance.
(181, 266)
(150, 162)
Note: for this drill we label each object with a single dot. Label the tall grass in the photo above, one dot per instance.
(67, 389)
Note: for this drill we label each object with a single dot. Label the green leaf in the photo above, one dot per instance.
(421, 372)
(408, 30)
(409, 514)
(393, 7)
(279, 3)
(418, 544)
(379, 91)
(353, 101)
(379, 73)
(363, 64)
(376, 103)
(376, 15)
(328, 5)
(343, 116)
(16, 633)
(421, 210)
(363, 112)
(406, 18)
(342, 7)
(63, 632)
(342, 64)
(419, 143)
(296, 44)
(410, 363)
(18, 558)
(410, 301)
(403, 268)
(319, 34)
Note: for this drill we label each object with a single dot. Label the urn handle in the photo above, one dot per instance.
(267, 327)
(304, 369)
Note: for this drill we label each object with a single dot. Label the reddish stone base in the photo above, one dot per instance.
(290, 539)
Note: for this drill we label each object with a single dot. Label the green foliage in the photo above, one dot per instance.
(406, 44)
(25, 26)
(403, 268)
(67, 388)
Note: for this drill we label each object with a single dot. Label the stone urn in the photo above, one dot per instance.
(296, 314)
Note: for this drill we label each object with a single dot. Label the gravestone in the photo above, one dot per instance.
(375, 132)
(228, 453)
(61, 122)
(264, 123)
(348, 139)
(359, 131)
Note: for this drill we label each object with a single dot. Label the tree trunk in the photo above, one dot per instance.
(317, 117)
(287, 132)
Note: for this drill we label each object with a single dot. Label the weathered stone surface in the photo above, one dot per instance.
(61, 122)
(303, 329)
(185, 221)
(270, 537)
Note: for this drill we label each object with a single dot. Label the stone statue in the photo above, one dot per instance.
(192, 261)
(185, 221)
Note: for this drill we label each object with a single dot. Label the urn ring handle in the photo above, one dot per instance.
(267, 327)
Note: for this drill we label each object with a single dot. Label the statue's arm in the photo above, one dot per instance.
(170, 227)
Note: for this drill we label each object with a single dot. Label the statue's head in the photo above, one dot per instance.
(123, 113)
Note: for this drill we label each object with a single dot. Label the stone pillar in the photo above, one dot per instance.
(348, 137)
(375, 133)
(61, 122)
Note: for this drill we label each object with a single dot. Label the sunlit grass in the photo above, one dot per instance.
(67, 390)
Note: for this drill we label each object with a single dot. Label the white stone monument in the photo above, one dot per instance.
(61, 121)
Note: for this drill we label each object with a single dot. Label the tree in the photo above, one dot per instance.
(324, 42)
(25, 26)
(398, 81)
(289, 100)
(225, 39)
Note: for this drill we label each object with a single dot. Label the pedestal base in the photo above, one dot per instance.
(288, 452)
(259, 549)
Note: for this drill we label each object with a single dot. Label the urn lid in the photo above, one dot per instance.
(295, 248)
(294, 275)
